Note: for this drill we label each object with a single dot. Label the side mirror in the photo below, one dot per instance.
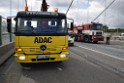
(9, 24)
(72, 26)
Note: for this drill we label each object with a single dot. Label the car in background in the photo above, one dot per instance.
(121, 37)
(71, 40)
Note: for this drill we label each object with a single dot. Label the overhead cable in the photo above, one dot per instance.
(104, 10)
(69, 7)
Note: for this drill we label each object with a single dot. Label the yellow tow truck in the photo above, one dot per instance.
(40, 36)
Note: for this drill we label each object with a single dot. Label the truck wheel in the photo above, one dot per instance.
(86, 39)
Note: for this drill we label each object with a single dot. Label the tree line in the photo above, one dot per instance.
(106, 29)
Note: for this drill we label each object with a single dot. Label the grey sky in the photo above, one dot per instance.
(113, 17)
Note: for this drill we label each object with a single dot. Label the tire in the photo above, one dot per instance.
(86, 39)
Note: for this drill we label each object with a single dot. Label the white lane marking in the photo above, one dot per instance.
(119, 46)
(116, 49)
(103, 53)
(60, 69)
(27, 68)
(117, 40)
(121, 41)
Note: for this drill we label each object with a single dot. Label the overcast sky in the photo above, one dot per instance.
(81, 11)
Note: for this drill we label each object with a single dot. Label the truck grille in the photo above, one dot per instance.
(42, 59)
(98, 33)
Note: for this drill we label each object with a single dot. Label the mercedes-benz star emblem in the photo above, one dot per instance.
(43, 47)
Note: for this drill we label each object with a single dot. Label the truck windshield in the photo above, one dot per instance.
(41, 26)
(97, 27)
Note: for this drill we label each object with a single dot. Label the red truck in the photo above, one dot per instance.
(91, 32)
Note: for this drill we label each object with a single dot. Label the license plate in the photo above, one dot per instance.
(43, 56)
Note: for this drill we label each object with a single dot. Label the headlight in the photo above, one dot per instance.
(22, 57)
(62, 55)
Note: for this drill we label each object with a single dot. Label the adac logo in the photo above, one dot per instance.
(43, 40)
(43, 47)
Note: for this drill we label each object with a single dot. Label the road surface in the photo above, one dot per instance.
(88, 63)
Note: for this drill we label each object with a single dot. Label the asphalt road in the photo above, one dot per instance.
(88, 63)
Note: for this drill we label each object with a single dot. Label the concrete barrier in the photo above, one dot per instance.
(6, 51)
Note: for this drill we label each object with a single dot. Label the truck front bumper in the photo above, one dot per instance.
(21, 58)
(97, 38)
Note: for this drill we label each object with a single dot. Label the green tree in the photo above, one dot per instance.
(105, 27)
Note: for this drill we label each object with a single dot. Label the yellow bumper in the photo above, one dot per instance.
(34, 59)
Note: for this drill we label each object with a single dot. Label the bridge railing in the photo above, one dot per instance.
(5, 37)
(6, 41)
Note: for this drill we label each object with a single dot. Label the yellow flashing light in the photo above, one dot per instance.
(64, 48)
(26, 8)
(55, 9)
(19, 49)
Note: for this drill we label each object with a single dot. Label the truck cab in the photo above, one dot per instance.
(40, 37)
(91, 32)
